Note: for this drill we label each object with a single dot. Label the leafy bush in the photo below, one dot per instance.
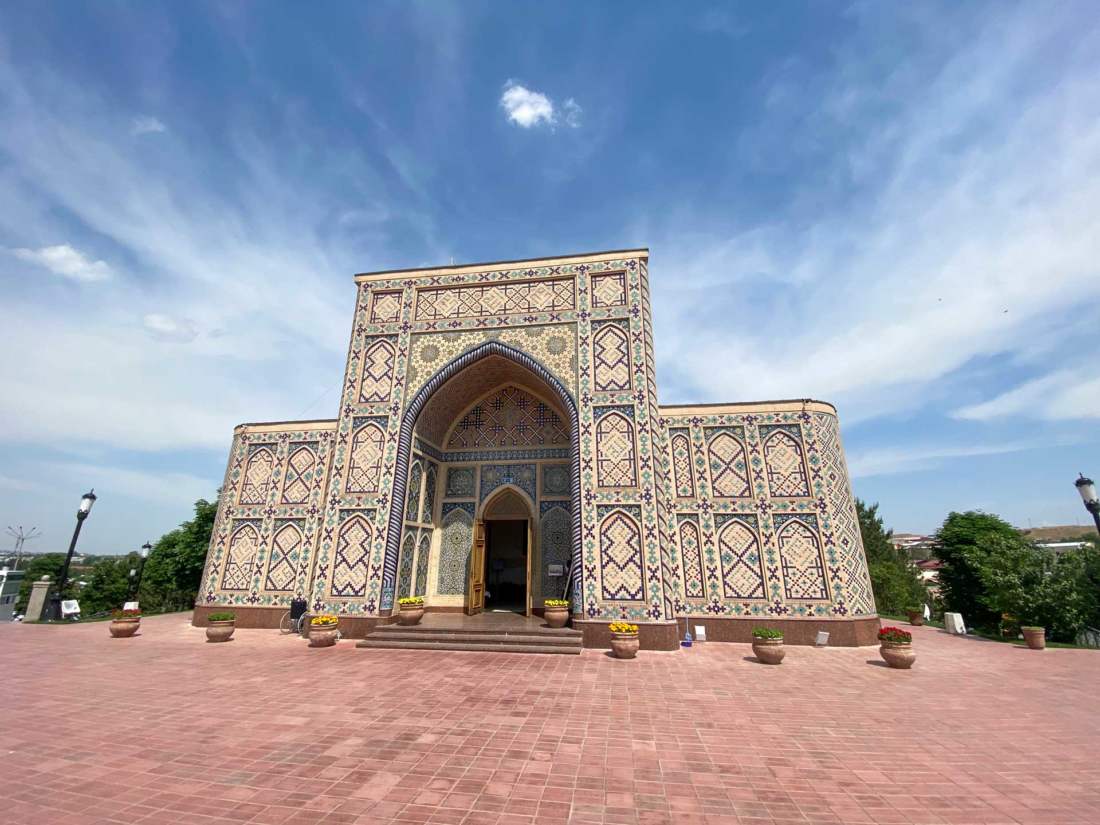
(623, 627)
(894, 581)
(556, 602)
(222, 617)
(965, 544)
(895, 635)
(766, 633)
(411, 601)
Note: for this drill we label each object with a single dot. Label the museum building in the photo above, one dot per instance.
(506, 414)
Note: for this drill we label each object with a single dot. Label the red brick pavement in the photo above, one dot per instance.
(164, 728)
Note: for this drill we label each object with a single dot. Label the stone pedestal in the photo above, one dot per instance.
(37, 602)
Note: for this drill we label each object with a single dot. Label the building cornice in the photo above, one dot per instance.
(461, 269)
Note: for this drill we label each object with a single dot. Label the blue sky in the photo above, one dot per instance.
(893, 208)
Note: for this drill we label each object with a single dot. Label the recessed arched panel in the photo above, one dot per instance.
(783, 458)
(412, 508)
(299, 475)
(742, 565)
(682, 473)
(454, 550)
(554, 534)
(615, 464)
(691, 558)
(378, 363)
(349, 571)
(257, 476)
(800, 554)
(282, 562)
(408, 551)
(729, 472)
(240, 560)
(621, 557)
(423, 552)
(611, 358)
(366, 459)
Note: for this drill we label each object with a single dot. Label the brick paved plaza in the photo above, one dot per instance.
(164, 728)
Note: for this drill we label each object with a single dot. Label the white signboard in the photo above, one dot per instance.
(130, 606)
(700, 633)
(69, 607)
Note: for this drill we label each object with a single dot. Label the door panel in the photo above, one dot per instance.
(475, 584)
(530, 549)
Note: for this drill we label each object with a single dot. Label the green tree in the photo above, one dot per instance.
(964, 544)
(894, 581)
(173, 571)
(108, 586)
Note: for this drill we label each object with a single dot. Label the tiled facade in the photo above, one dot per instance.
(536, 376)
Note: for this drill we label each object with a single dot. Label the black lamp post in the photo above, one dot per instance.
(145, 548)
(1088, 494)
(86, 502)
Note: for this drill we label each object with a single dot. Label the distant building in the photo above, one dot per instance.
(913, 545)
(929, 570)
(10, 581)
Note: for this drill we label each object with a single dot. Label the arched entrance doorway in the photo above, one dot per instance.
(491, 431)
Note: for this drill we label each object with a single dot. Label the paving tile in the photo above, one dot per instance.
(164, 728)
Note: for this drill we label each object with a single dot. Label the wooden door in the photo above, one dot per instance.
(530, 548)
(475, 584)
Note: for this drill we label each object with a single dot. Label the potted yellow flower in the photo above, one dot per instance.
(221, 627)
(624, 639)
(556, 612)
(322, 630)
(411, 610)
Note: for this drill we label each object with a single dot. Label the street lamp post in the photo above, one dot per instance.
(86, 502)
(145, 548)
(1088, 494)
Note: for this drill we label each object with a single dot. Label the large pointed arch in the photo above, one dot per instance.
(404, 448)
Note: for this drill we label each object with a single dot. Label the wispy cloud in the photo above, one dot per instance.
(1065, 394)
(167, 328)
(891, 461)
(65, 261)
(146, 124)
(527, 108)
(958, 222)
(112, 482)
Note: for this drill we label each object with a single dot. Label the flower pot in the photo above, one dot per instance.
(1036, 637)
(322, 636)
(625, 645)
(410, 615)
(916, 617)
(898, 655)
(124, 628)
(556, 616)
(220, 631)
(769, 651)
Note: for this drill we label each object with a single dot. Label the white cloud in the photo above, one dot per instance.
(166, 488)
(167, 328)
(146, 124)
(953, 219)
(527, 108)
(891, 460)
(1062, 395)
(66, 261)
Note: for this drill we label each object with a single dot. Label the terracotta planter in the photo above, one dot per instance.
(124, 628)
(322, 636)
(769, 651)
(625, 645)
(410, 615)
(916, 617)
(220, 631)
(897, 655)
(1036, 637)
(556, 616)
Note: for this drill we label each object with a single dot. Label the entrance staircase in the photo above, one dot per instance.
(477, 633)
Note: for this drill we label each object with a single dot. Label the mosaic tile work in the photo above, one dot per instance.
(554, 346)
(454, 551)
(423, 551)
(510, 417)
(574, 334)
(495, 299)
(777, 523)
(427, 514)
(555, 538)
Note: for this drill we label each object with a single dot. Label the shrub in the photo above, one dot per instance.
(126, 614)
(895, 635)
(556, 602)
(766, 633)
(222, 617)
(411, 601)
(623, 627)
(324, 620)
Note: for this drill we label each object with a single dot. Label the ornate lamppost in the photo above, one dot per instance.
(1088, 494)
(145, 548)
(86, 502)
